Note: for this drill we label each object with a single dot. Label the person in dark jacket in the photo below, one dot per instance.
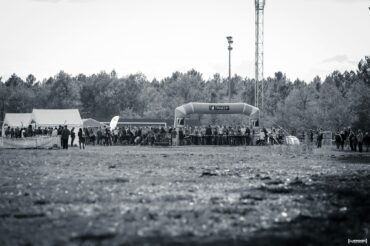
(266, 134)
(73, 136)
(208, 135)
(81, 138)
(354, 141)
(338, 139)
(65, 137)
(320, 137)
(367, 141)
(181, 136)
(248, 136)
(17, 132)
(7, 132)
(343, 136)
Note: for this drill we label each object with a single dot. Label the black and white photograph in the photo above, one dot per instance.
(184, 122)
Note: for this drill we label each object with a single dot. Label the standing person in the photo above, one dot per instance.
(7, 132)
(225, 136)
(108, 136)
(311, 136)
(124, 136)
(115, 135)
(150, 136)
(360, 140)
(81, 138)
(73, 136)
(273, 137)
(104, 136)
(87, 135)
(265, 132)
(55, 132)
(354, 141)
(346, 135)
(181, 136)
(30, 131)
(130, 135)
(17, 132)
(60, 130)
(99, 136)
(367, 141)
(262, 136)
(248, 136)
(215, 136)
(338, 139)
(65, 137)
(92, 136)
(208, 135)
(343, 137)
(351, 138)
(320, 137)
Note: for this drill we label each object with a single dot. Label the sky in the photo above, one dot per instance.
(303, 38)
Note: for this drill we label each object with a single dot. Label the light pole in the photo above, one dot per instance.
(230, 41)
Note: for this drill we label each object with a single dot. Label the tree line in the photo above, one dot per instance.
(339, 100)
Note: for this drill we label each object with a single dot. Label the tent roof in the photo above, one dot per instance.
(91, 123)
(56, 117)
(17, 119)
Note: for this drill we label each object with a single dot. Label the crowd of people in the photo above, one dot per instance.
(22, 132)
(228, 135)
(122, 135)
(207, 135)
(198, 135)
(355, 140)
(63, 132)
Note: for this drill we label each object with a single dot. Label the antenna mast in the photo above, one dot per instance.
(260, 6)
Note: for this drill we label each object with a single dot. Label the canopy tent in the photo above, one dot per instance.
(91, 123)
(212, 108)
(56, 117)
(16, 120)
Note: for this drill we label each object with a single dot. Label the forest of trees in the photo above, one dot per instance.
(339, 100)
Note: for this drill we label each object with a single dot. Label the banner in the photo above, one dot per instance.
(113, 123)
(39, 142)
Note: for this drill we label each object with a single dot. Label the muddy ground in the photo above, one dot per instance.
(184, 196)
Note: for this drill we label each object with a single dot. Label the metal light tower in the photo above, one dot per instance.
(260, 6)
(230, 42)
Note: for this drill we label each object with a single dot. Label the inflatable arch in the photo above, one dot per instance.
(212, 108)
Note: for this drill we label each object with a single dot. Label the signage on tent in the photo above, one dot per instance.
(219, 108)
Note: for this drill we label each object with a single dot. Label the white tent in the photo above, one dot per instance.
(56, 117)
(16, 120)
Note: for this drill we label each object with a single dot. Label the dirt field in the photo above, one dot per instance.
(184, 195)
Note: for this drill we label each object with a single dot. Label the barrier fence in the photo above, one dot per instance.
(39, 142)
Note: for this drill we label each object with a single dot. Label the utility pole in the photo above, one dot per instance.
(230, 48)
(260, 6)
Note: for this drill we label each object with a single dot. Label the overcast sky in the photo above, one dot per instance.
(303, 38)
